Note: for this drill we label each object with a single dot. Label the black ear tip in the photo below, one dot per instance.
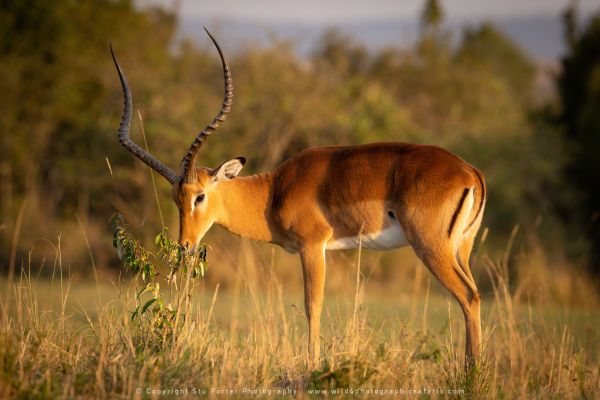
(242, 160)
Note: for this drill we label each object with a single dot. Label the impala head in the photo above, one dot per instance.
(195, 189)
(200, 202)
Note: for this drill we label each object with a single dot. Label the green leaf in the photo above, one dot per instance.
(135, 312)
(148, 304)
(147, 288)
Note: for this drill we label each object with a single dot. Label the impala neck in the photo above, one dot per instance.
(245, 202)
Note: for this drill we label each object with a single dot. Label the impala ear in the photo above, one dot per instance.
(228, 170)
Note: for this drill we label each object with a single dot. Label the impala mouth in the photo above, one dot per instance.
(189, 250)
(190, 255)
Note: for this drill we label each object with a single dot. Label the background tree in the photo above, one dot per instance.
(579, 88)
(432, 16)
(61, 104)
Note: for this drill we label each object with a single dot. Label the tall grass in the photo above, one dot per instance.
(64, 339)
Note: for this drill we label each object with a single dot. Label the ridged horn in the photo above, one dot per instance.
(123, 133)
(188, 164)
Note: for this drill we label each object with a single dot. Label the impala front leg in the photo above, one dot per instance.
(313, 268)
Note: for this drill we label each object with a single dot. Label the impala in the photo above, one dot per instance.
(381, 196)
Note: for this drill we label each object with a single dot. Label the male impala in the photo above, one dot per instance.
(390, 194)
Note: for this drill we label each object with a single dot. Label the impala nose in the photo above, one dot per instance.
(188, 247)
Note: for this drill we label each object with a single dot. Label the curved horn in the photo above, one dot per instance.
(123, 134)
(188, 164)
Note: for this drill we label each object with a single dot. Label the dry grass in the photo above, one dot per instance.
(75, 340)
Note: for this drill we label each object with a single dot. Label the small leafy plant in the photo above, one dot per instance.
(165, 315)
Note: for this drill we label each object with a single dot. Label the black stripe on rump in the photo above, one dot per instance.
(457, 211)
(482, 202)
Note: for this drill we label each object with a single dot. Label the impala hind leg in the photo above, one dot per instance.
(313, 268)
(462, 256)
(445, 267)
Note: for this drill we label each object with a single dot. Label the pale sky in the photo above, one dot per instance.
(332, 11)
(534, 24)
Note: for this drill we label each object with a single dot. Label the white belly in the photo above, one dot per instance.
(390, 238)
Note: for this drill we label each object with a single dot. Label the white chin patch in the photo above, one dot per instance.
(392, 237)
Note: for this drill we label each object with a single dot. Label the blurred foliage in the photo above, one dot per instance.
(61, 103)
(579, 90)
(58, 104)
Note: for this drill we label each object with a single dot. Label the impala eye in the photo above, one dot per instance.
(199, 198)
